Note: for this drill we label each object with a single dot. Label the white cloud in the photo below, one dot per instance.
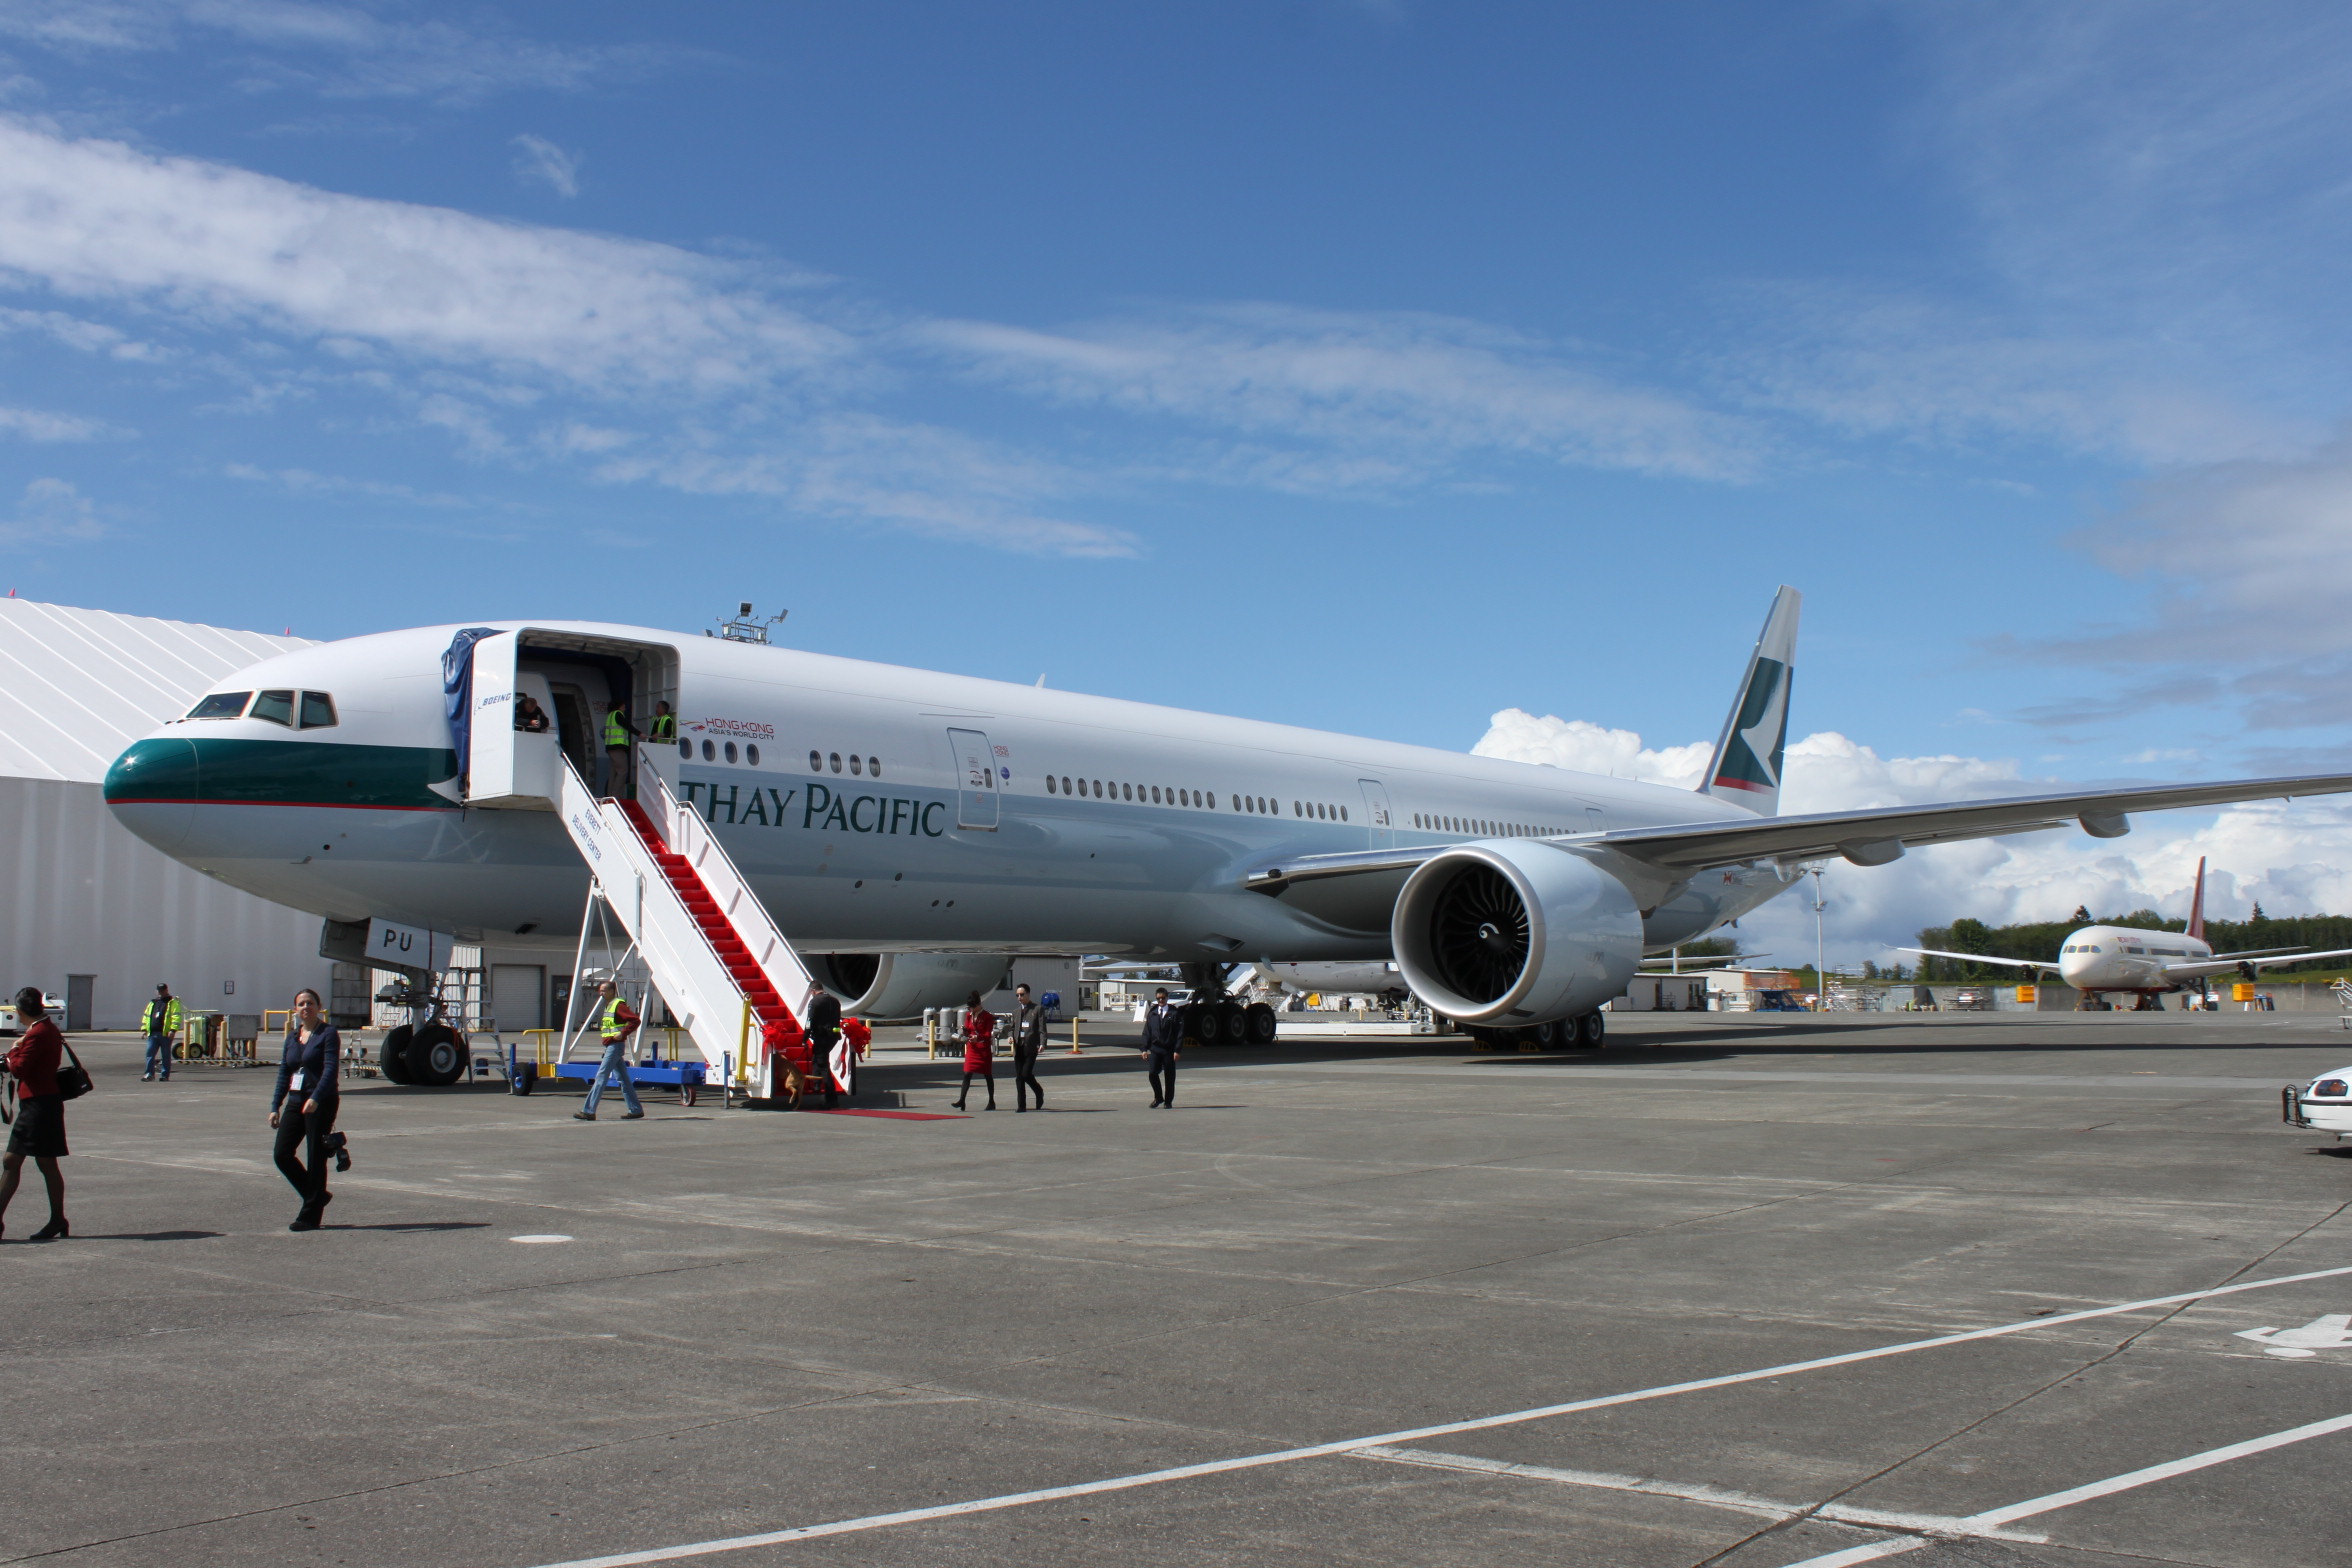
(100, 220)
(1584, 747)
(539, 161)
(34, 424)
(307, 483)
(923, 479)
(75, 332)
(1870, 364)
(2243, 561)
(337, 50)
(1410, 392)
(50, 511)
(2292, 858)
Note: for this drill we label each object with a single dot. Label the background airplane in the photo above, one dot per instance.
(2101, 959)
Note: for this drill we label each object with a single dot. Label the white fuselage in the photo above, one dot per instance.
(1111, 827)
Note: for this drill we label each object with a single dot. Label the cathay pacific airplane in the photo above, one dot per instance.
(908, 829)
(2101, 959)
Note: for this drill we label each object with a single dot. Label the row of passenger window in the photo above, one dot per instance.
(1202, 800)
(713, 753)
(1149, 794)
(308, 710)
(1480, 825)
(863, 767)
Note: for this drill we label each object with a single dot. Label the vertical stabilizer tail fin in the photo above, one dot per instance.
(2197, 903)
(1746, 764)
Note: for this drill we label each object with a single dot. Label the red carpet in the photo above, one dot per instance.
(895, 1116)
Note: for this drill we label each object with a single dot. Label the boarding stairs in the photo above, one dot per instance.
(702, 934)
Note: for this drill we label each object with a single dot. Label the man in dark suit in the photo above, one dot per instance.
(821, 1017)
(1163, 1034)
(1028, 1040)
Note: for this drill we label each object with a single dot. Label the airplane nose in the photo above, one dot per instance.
(153, 788)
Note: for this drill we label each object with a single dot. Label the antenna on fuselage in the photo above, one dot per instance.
(744, 629)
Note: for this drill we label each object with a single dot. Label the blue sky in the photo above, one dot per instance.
(1376, 366)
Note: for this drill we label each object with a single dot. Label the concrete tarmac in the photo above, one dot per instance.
(524, 1340)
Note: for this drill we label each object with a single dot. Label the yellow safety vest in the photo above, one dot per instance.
(665, 726)
(616, 729)
(612, 1027)
(169, 1022)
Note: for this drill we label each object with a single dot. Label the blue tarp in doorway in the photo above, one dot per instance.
(457, 692)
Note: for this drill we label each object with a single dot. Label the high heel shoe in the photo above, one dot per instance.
(56, 1229)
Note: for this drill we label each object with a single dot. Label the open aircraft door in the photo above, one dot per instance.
(514, 769)
(500, 765)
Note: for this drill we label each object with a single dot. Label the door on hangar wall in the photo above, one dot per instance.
(518, 995)
(80, 990)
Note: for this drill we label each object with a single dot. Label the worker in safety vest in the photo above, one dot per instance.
(619, 736)
(664, 730)
(616, 1021)
(159, 1023)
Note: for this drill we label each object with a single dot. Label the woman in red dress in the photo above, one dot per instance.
(40, 1111)
(979, 1049)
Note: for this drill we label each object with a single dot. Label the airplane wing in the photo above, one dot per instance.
(1982, 958)
(2222, 964)
(1867, 838)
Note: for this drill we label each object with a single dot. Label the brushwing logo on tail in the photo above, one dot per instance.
(1752, 755)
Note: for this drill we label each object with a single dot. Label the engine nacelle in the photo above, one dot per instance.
(1510, 932)
(901, 985)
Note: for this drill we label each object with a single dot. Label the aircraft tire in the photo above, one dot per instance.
(434, 1057)
(1233, 1023)
(1558, 1035)
(392, 1055)
(1592, 1031)
(1203, 1024)
(1262, 1023)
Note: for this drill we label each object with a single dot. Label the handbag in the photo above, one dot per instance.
(73, 1079)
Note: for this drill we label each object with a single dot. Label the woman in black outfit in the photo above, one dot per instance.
(303, 1106)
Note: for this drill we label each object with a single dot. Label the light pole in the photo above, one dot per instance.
(1820, 974)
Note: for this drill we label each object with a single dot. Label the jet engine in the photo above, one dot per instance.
(1512, 932)
(901, 985)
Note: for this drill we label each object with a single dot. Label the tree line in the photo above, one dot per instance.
(2040, 940)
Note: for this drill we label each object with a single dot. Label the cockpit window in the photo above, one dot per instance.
(221, 705)
(318, 710)
(275, 706)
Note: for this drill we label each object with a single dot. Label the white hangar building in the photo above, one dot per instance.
(88, 911)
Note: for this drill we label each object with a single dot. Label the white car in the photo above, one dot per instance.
(2323, 1105)
(55, 1004)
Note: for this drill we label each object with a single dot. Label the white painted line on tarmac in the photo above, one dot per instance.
(527, 1240)
(2083, 1494)
(1552, 1070)
(1708, 1496)
(1122, 1483)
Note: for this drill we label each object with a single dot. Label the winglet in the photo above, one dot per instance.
(2197, 904)
(1746, 764)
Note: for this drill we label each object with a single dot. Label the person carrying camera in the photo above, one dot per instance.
(303, 1106)
(40, 1112)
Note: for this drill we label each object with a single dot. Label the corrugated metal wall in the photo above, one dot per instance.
(80, 895)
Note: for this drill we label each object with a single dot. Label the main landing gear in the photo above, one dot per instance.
(1588, 1033)
(1217, 1019)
